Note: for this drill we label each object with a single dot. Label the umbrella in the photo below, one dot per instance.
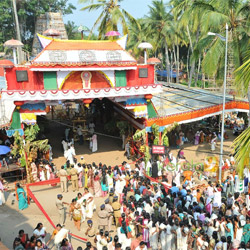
(13, 44)
(145, 46)
(4, 150)
(81, 29)
(112, 33)
(153, 60)
(6, 64)
(51, 32)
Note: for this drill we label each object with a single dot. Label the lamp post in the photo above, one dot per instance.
(225, 39)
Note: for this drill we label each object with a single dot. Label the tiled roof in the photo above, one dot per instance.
(83, 45)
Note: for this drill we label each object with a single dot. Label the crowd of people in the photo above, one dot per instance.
(149, 207)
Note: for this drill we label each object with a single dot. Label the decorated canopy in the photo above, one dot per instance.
(180, 104)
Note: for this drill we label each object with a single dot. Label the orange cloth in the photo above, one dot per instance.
(198, 196)
(187, 175)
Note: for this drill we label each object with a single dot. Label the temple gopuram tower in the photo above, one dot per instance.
(49, 20)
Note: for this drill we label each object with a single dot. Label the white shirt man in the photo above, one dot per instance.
(79, 130)
(70, 154)
(65, 146)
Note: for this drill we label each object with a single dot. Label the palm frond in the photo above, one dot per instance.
(242, 150)
(213, 57)
(243, 73)
(92, 7)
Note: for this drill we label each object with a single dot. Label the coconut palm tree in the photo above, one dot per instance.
(189, 26)
(242, 142)
(242, 82)
(160, 28)
(137, 34)
(111, 16)
(215, 15)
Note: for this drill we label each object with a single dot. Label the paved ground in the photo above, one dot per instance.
(11, 220)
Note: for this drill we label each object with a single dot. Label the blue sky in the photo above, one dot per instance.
(137, 8)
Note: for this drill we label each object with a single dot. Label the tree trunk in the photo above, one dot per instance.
(193, 63)
(167, 62)
(188, 63)
(174, 55)
(192, 71)
(191, 74)
(190, 40)
(203, 81)
(171, 66)
(177, 62)
(198, 71)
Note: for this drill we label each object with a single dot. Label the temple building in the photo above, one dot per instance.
(80, 71)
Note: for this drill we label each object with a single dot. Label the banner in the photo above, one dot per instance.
(159, 150)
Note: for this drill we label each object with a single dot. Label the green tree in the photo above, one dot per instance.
(70, 27)
(160, 29)
(188, 27)
(137, 35)
(7, 30)
(27, 11)
(26, 147)
(112, 15)
(215, 15)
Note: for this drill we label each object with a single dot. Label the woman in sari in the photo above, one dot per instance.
(104, 184)
(197, 138)
(58, 235)
(97, 185)
(82, 203)
(80, 176)
(66, 245)
(2, 197)
(209, 206)
(85, 176)
(90, 176)
(22, 198)
(40, 232)
(145, 228)
(52, 174)
(125, 235)
(34, 172)
(202, 135)
(94, 143)
(88, 197)
(110, 180)
(246, 231)
(76, 213)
